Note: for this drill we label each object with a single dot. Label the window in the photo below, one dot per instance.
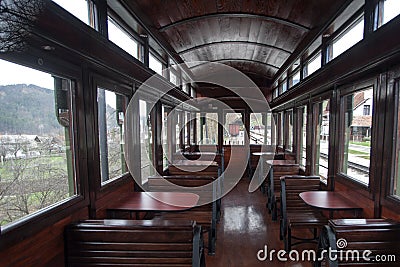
(207, 128)
(348, 38)
(257, 128)
(321, 113)
(234, 129)
(356, 135)
(146, 141)
(283, 87)
(395, 186)
(155, 64)
(119, 36)
(85, 10)
(280, 128)
(303, 135)
(295, 78)
(275, 93)
(36, 142)
(164, 135)
(193, 92)
(289, 119)
(268, 129)
(111, 110)
(173, 78)
(313, 65)
(387, 10)
(367, 110)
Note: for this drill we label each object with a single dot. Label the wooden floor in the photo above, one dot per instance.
(244, 229)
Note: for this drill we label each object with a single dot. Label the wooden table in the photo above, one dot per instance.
(280, 162)
(329, 200)
(194, 163)
(136, 202)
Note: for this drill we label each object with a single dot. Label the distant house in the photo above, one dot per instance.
(360, 126)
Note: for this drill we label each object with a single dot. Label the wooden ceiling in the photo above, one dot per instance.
(255, 37)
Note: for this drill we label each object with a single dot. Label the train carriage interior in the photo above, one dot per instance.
(199, 133)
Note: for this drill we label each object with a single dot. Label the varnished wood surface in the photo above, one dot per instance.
(328, 200)
(214, 30)
(281, 162)
(244, 229)
(155, 201)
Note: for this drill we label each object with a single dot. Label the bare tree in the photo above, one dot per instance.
(17, 19)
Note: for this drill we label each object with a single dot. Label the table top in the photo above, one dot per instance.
(194, 163)
(156, 201)
(329, 200)
(279, 162)
(200, 153)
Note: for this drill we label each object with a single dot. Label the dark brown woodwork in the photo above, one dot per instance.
(134, 243)
(379, 236)
(295, 213)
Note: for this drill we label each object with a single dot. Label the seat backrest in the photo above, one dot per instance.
(277, 171)
(291, 187)
(352, 238)
(133, 243)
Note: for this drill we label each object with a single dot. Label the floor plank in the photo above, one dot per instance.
(244, 229)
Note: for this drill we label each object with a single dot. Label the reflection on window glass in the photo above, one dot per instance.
(234, 129)
(313, 65)
(391, 9)
(348, 38)
(80, 9)
(258, 131)
(111, 108)
(155, 64)
(281, 129)
(322, 138)
(146, 141)
(122, 38)
(207, 128)
(356, 143)
(36, 141)
(290, 130)
(303, 136)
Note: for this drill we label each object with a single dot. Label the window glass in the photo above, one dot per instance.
(207, 128)
(164, 135)
(179, 129)
(146, 141)
(395, 186)
(303, 136)
(391, 9)
(82, 9)
(234, 129)
(356, 142)
(322, 139)
(173, 78)
(314, 64)
(281, 128)
(155, 64)
(289, 145)
(283, 86)
(257, 128)
(111, 110)
(348, 38)
(36, 141)
(122, 38)
(193, 92)
(295, 79)
(276, 93)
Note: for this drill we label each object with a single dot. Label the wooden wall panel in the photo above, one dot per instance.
(45, 248)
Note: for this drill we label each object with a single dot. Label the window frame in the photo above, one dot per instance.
(366, 191)
(118, 87)
(46, 217)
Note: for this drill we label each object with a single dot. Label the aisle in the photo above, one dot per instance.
(244, 229)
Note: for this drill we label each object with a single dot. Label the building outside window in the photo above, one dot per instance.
(37, 166)
(84, 10)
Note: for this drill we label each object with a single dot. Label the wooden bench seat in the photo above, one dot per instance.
(274, 185)
(145, 243)
(295, 214)
(379, 236)
(205, 215)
